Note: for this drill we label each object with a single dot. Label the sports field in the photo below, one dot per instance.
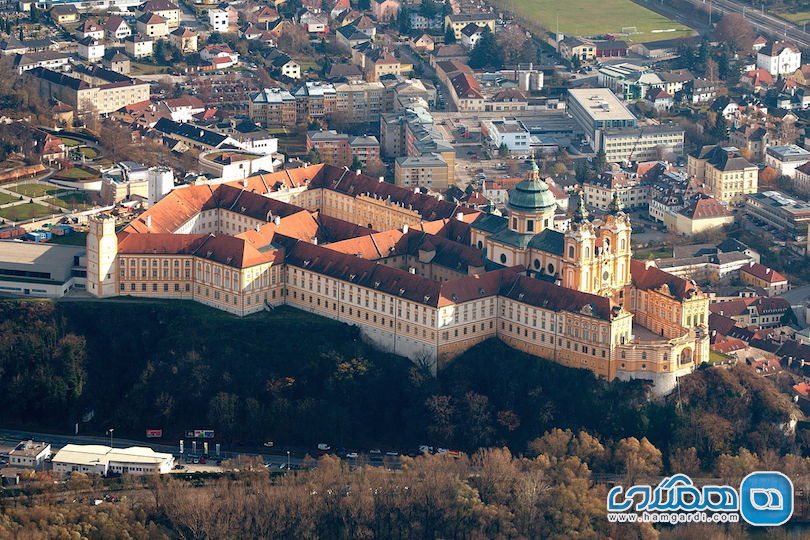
(796, 17)
(595, 17)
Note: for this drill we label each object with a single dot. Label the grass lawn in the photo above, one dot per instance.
(718, 358)
(25, 211)
(75, 173)
(75, 199)
(5, 198)
(588, 18)
(34, 190)
(796, 17)
(89, 153)
(75, 239)
(70, 142)
(147, 69)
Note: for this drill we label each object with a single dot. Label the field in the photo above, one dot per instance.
(590, 18)
(5, 198)
(34, 190)
(74, 199)
(796, 17)
(76, 173)
(25, 211)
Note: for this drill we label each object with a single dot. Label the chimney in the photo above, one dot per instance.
(405, 229)
(416, 190)
(315, 240)
(277, 221)
(357, 172)
(148, 222)
(460, 216)
(382, 179)
(244, 182)
(412, 270)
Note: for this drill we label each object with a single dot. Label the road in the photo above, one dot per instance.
(12, 437)
(761, 20)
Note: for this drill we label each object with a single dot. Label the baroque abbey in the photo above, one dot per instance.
(420, 277)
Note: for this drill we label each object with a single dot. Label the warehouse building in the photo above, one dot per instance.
(43, 270)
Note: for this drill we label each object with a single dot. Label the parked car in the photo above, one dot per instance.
(268, 444)
(352, 455)
(323, 446)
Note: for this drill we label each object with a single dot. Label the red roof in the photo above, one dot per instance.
(764, 273)
(651, 278)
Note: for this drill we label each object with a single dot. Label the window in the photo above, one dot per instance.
(503, 258)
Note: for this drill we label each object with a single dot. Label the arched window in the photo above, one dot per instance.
(550, 268)
(514, 223)
(480, 244)
(571, 252)
(536, 264)
(621, 244)
(587, 252)
(503, 258)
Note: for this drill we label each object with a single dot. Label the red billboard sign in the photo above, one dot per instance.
(154, 433)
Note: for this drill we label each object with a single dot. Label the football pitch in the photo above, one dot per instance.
(622, 18)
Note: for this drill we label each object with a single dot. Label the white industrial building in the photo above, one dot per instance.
(43, 270)
(29, 454)
(100, 459)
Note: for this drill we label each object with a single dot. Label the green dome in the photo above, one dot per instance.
(531, 195)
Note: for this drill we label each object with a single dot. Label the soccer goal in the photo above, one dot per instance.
(629, 30)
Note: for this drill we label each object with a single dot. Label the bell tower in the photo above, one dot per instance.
(102, 253)
(578, 250)
(615, 252)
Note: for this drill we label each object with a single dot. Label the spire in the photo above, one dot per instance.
(616, 206)
(580, 214)
(534, 172)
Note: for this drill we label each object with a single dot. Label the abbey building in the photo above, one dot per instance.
(421, 277)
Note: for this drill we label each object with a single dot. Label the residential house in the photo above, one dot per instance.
(660, 99)
(282, 65)
(219, 20)
(349, 36)
(470, 35)
(570, 47)
(418, 22)
(90, 28)
(753, 137)
(184, 39)
(764, 312)
(315, 22)
(139, 45)
(365, 148)
(164, 8)
(424, 43)
(266, 15)
(756, 80)
(458, 22)
(184, 108)
(91, 49)
(345, 72)
(221, 51)
(429, 170)
(152, 25)
(701, 91)
(116, 28)
(62, 14)
(29, 454)
(117, 61)
(48, 59)
(385, 10)
(758, 275)
(779, 58)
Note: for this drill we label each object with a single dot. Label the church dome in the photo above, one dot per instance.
(531, 195)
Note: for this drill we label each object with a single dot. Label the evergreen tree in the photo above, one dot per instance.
(486, 52)
(403, 20)
(503, 150)
(364, 5)
(449, 36)
(583, 173)
(576, 63)
(527, 52)
(719, 129)
(600, 163)
(357, 165)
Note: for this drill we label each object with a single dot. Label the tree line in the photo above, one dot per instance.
(179, 365)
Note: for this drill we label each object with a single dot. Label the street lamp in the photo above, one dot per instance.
(110, 431)
(288, 460)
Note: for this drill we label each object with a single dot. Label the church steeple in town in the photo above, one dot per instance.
(616, 205)
(580, 214)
